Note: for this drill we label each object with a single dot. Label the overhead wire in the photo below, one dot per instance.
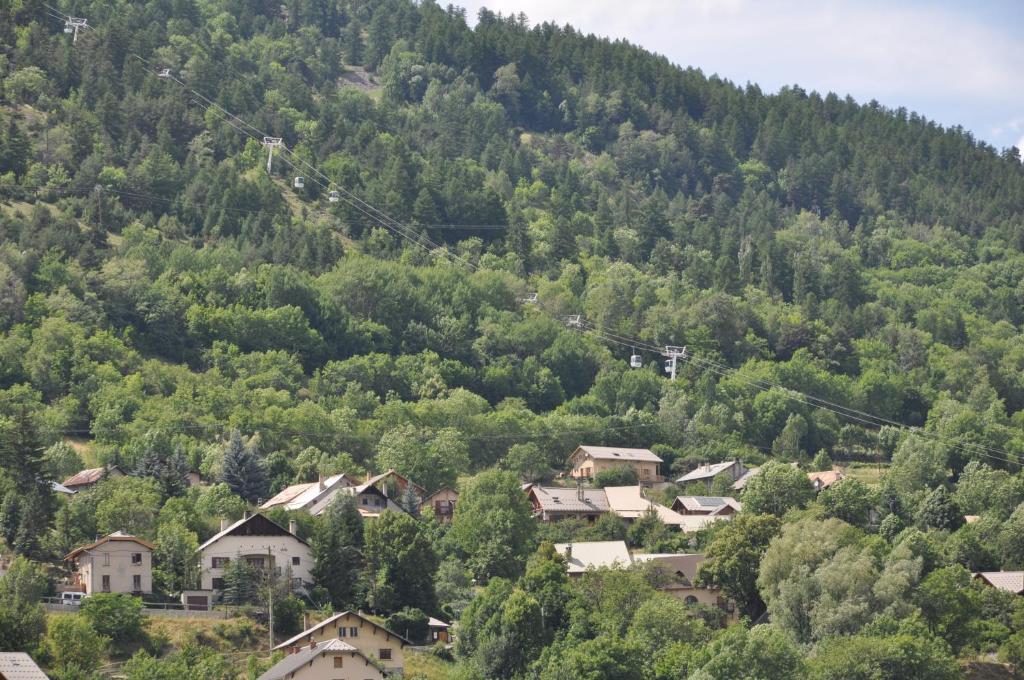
(423, 241)
(848, 413)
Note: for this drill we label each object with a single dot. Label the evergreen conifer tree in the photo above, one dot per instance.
(243, 470)
(337, 552)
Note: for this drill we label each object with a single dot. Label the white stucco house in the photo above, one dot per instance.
(116, 563)
(263, 544)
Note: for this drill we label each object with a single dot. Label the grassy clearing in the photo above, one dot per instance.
(420, 666)
(868, 473)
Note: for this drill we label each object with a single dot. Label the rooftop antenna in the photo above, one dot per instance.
(673, 353)
(270, 143)
(72, 25)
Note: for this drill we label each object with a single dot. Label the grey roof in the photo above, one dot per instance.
(60, 488)
(563, 499)
(706, 471)
(19, 666)
(245, 520)
(708, 503)
(591, 554)
(326, 622)
(618, 453)
(294, 662)
(1010, 581)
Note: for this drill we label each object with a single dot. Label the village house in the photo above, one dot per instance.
(554, 503)
(741, 483)
(305, 496)
(707, 472)
(396, 487)
(706, 505)
(87, 478)
(370, 501)
(372, 640)
(579, 557)
(439, 630)
(679, 573)
(588, 461)
(332, 659)
(386, 491)
(1010, 581)
(260, 542)
(443, 503)
(824, 479)
(19, 666)
(629, 503)
(117, 563)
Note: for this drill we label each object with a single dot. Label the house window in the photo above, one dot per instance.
(136, 558)
(218, 584)
(341, 631)
(106, 583)
(255, 562)
(353, 632)
(106, 559)
(338, 661)
(136, 583)
(295, 561)
(220, 562)
(366, 501)
(385, 654)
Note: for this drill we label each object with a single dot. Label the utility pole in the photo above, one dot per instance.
(674, 354)
(270, 143)
(270, 597)
(72, 25)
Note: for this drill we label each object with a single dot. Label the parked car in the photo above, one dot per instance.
(72, 599)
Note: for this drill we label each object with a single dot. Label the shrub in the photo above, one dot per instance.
(115, 615)
(409, 622)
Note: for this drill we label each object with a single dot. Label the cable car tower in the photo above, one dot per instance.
(270, 143)
(72, 25)
(674, 354)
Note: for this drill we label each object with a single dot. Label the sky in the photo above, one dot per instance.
(954, 62)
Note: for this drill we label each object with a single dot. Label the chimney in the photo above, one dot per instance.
(224, 523)
(293, 527)
(320, 481)
(579, 490)
(312, 644)
(568, 552)
(246, 514)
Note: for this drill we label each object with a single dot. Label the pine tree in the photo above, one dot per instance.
(28, 508)
(241, 582)
(164, 464)
(337, 552)
(243, 470)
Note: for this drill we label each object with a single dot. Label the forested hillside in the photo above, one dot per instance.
(842, 275)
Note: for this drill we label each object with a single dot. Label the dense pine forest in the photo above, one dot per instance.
(847, 279)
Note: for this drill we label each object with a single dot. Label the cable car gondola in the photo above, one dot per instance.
(299, 182)
(334, 196)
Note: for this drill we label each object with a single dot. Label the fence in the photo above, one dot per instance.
(163, 609)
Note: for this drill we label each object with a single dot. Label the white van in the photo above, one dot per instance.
(71, 599)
